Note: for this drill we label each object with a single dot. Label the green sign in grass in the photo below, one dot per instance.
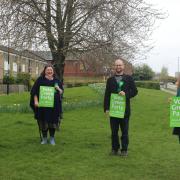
(175, 112)
(46, 97)
(117, 106)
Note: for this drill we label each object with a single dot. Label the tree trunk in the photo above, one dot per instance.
(59, 63)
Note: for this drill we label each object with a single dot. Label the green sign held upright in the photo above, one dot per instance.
(175, 112)
(117, 105)
(46, 97)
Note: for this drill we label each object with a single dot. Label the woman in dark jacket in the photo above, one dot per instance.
(176, 130)
(47, 117)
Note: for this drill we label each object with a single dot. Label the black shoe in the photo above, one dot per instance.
(113, 153)
(124, 153)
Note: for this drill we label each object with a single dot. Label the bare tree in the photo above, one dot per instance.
(122, 26)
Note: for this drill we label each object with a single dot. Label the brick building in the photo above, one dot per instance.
(33, 62)
(75, 67)
(19, 62)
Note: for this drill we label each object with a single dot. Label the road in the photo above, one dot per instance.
(170, 88)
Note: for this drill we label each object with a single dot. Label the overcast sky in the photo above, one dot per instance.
(166, 38)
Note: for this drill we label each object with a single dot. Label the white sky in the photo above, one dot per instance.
(166, 38)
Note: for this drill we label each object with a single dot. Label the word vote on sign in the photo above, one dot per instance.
(175, 112)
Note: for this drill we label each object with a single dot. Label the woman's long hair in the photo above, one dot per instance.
(43, 72)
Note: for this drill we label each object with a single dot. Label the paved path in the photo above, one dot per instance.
(169, 91)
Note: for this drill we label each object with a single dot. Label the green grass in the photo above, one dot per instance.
(77, 94)
(82, 79)
(74, 98)
(14, 98)
(71, 94)
(83, 145)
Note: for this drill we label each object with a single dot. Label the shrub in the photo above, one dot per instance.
(31, 83)
(8, 80)
(70, 85)
(23, 78)
(148, 84)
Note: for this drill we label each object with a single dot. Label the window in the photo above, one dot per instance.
(81, 66)
(6, 65)
(23, 68)
(6, 73)
(14, 67)
(37, 70)
(5, 56)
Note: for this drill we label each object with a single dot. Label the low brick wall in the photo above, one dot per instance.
(12, 88)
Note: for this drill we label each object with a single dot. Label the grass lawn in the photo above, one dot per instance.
(71, 94)
(14, 98)
(83, 144)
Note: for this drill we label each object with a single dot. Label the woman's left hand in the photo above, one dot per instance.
(59, 89)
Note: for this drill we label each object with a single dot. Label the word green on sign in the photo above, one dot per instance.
(117, 106)
(175, 112)
(46, 97)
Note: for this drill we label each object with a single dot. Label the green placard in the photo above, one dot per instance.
(175, 112)
(46, 97)
(117, 106)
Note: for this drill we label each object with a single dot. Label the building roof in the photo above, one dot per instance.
(24, 53)
(39, 55)
(6, 49)
(47, 55)
(32, 55)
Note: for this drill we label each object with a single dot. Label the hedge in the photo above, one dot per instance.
(148, 84)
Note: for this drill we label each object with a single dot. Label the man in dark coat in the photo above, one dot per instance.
(129, 90)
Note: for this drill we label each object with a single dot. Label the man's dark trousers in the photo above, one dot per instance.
(124, 126)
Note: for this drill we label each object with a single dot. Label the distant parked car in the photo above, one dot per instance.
(170, 83)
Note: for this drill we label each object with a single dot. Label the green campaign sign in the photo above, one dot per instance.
(117, 106)
(175, 112)
(46, 97)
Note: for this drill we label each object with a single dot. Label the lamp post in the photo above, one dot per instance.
(8, 59)
(8, 71)
(178, 65)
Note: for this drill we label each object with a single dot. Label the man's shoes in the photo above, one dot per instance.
(52, 141)
(44, 140)
(124, 153)
(113, 153)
